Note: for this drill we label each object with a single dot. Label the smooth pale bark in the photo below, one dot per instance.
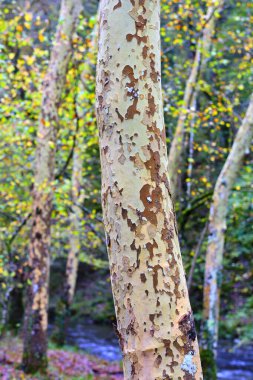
(154, 318)
(35, 331)
(217, 228)
(191, 94)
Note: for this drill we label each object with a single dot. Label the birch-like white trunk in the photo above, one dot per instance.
(191, 94)
(217, 229)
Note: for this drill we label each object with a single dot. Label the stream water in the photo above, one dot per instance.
(100, 340)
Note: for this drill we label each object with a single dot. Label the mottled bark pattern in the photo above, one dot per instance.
(217, 228)
(35, 337)
(154, 317)
(190, 95)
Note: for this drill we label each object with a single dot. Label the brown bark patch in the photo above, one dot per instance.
(187, 326)
(158, 135)
(128, 72)
(158, 361)
(139, 26)
(132, 92)
(145, 51)
(138, 251)
(146, 199)
(166, 376)
(119, 115)
(156, 268)
(118, 5)
(150, 248)
(154, 165)
(132, 110)
(151, 105)
(154, 75)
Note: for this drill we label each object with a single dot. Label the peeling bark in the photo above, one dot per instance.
(217, 228)
(35, 331)
(191, 94)
(154, 317)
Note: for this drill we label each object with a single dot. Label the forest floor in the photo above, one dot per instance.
(64, 364)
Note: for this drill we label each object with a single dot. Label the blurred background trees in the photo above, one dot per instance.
(224, 88)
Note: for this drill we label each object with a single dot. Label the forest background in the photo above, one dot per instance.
(27, 30)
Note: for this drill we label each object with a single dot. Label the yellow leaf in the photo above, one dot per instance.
(30, 60)
(28, 17)
(19, 28)
(41, 37)
(10, 69)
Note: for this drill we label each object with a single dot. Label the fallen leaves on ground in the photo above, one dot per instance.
(63, 365)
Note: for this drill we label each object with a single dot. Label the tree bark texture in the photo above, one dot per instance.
(217, 228)
(35, 332)
(191, 94)
(154, 318)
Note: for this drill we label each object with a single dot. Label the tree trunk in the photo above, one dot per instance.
(35, 332)
(82, 106)
(154, 318)
(63, 306)
(193, 110)
(75, 217)
(196, 255)
(77, 196)
(217, 228)
(190, 95)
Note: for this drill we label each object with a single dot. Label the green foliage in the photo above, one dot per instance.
(96, 302)
(239, 324)
(208, 365)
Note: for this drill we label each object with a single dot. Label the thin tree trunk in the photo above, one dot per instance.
(217, 228)
(154, 318)
(193, 109)
(82, 106)
(196, 255)
(191, 94)
(63, 306)
(74, 233)
(77, 196)
(35, 331)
